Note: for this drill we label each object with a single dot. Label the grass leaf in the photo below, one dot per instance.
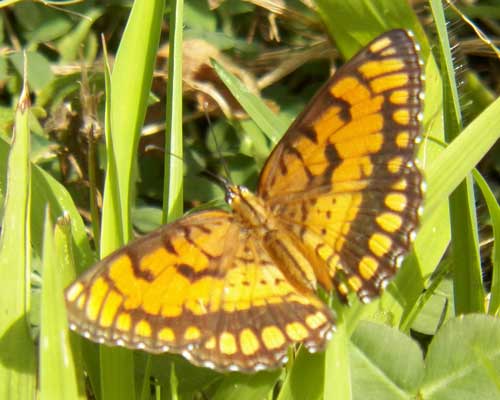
(126, 107)
(260, 113)
(174, 165)
(461, 357)
(57, 377)
(17, 352)
(494, 211)
(464, 245)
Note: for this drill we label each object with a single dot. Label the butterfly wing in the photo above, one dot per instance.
(202, 287)
(343, 177)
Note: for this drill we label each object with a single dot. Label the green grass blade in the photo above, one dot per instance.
(354, 23)
(174, 165)
(47, 190)
(130, 85)
(115, 363)
(445, 174)
(57, 378)
(494, 211)
(126, 106)
(17, 353)
(112, 221)
(465, 244)
(272, 126)
(174, 384)
(305, 378)
(337, 365)
(145, 393)
(246, 387)
(7, 3)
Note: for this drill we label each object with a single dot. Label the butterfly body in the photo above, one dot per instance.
(337, 205)
(263, 224)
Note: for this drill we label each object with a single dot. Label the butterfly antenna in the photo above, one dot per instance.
(217, 179)
(226, 180)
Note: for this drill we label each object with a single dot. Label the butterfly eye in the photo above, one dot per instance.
(230, 194)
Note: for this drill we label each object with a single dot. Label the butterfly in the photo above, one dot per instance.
(337, 206)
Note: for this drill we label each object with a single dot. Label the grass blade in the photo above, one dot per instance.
(337, 365)
(354, 23)
(174, 165)
(464, 244)
(125, 110)
(454, 163)
(255, 107)
(128, 97)
(17, 353)
(494, 210)
(57, 378)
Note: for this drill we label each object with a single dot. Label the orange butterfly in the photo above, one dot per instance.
(337, 205)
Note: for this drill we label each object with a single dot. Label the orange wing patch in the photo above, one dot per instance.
(221, 304)
(337, 205)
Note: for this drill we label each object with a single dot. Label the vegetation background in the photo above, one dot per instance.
(99, 72)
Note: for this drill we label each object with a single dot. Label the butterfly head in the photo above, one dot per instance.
(233, 192)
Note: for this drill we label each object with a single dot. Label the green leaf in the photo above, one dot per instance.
(386, 364)
(192, 380)
(146, 219)
(198, 16)
(354, 23)
(437, 307)
(305, 379)
(463, 360)
(38, 67)
(246, 387)
(71, 44)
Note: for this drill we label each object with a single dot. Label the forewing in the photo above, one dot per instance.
(200, 287)
(343, 178)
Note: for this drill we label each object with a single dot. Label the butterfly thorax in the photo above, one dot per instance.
(282, 247)
(250, 209)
